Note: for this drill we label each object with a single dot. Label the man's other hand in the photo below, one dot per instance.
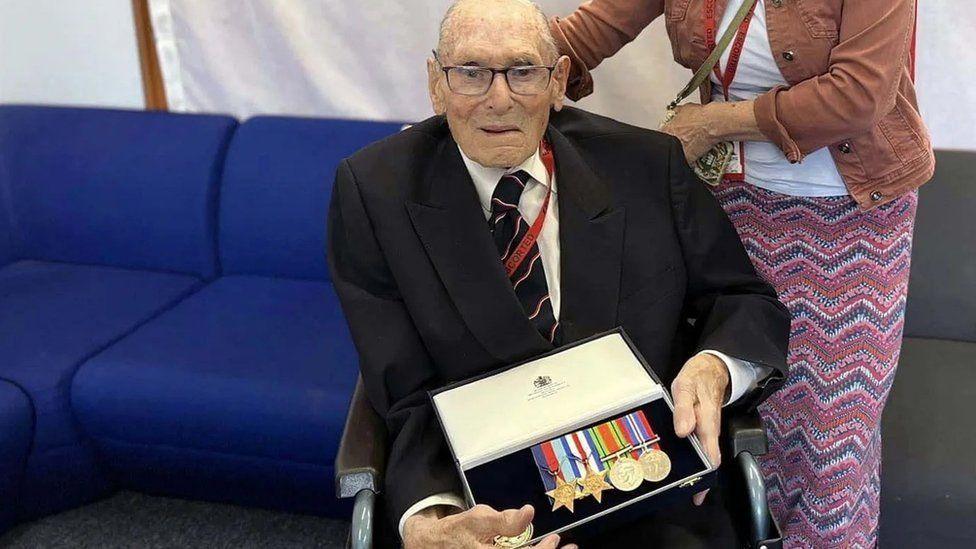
(474, 528)
(699, 391)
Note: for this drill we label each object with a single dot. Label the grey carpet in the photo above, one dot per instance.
(129, 519)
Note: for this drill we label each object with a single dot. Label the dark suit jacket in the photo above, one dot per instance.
(644, 245)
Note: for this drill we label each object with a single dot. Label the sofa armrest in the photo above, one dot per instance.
(361, 460)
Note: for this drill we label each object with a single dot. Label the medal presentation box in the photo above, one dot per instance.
(580, 433)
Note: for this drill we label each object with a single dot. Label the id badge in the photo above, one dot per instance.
(736, 169)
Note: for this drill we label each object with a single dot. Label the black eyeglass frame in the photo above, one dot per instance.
(494, 72)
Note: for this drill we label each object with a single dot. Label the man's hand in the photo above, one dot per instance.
(699, 392)
(474, 528)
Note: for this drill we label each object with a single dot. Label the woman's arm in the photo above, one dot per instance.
(597, 30)
(858, 88)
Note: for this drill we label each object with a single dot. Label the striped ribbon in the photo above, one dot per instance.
(597, 446)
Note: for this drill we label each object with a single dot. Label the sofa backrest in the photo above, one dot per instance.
(275, 192)
(942, 291)
(127, 189)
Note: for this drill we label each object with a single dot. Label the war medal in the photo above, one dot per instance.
(619, 454)
(564, 494)
(626, 474)
(655, 464)
(549, 458)
(595, 481)
(515, 542)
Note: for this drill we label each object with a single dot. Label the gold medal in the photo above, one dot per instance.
(626, 474)
(517, 541)
(564, 494)
(594, 484)
(655, 465)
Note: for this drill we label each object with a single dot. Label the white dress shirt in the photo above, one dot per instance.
(742, 375)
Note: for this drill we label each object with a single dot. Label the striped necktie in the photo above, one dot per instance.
(508, 228)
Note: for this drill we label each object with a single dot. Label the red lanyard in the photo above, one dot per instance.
(518, 256)
(736, 53)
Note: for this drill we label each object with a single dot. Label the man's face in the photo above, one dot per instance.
(500, 128)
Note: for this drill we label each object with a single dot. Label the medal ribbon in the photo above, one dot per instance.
(567, 459)
(596, 451)
(631, 442)
(641, 429)
(545, 460)
(646, 426)
(586, 453)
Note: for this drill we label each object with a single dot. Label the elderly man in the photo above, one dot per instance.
(422, 231)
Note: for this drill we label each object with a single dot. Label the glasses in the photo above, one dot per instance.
(473, 80)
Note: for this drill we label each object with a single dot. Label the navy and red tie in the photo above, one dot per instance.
(508, 228)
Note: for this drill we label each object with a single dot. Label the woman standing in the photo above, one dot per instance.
(818, 97)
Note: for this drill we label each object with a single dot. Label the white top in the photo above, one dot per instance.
(743, 375)
(765, 164)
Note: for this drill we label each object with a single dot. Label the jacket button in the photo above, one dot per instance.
(845, 147)
(877, 196)
(789, 55)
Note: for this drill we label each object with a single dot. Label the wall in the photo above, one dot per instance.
(69, 52)
(320, 58)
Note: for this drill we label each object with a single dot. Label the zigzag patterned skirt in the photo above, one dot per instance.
(843, 274)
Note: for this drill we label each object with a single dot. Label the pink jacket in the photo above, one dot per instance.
(849, 65)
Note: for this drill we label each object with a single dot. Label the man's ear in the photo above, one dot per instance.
(560, 76)
(434, 88)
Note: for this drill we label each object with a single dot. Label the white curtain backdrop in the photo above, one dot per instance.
(366, 60)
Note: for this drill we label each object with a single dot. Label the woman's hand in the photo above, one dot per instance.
(474, 528)
(691, 126)
(701, 127)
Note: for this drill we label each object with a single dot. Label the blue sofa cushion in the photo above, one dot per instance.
(16, 428)
(6, 230)
(275, 192)
(238, 393)
(127, 189)
(54, 316)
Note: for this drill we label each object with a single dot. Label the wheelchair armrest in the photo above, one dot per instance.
(745, 433)
(745, 438)
(361, 460)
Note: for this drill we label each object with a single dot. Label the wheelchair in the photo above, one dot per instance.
(360, 463)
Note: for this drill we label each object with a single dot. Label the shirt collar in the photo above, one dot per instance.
(486, 179)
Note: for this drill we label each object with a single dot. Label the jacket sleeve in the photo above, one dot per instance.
(396, 368)
(858, 88)
(734, 310)
(597, 30)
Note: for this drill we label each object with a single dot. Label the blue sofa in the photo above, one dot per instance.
(166, 319)
(16, 428)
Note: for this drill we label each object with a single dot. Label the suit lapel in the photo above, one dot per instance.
(449, 221)
(591, 233)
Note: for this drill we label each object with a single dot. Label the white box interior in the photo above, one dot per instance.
(525, 405)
